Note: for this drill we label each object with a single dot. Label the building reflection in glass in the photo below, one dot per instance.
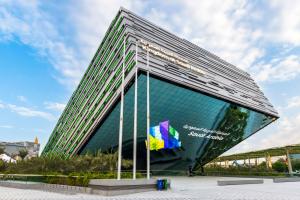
(207, 126)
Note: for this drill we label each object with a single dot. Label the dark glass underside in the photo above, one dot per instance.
(207, 126)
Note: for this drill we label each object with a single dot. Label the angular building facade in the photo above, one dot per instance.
(200, 105)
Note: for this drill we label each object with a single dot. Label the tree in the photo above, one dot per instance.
(1, 150)
(280, 166)
(23, 153)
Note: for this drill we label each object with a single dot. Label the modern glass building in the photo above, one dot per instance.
(200, 105)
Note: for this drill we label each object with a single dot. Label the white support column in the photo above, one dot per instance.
(269, 161)
(148, 119)
(290, 168)
(121, 116)
(135, 113)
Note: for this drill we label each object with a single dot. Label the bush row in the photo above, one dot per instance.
(55, 164)
(73, 179)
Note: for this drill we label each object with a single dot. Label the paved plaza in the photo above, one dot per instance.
(204, 188)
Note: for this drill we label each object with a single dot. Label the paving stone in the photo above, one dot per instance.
(183, 188)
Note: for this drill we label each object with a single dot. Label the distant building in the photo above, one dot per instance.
(6, 158)
(13, 148)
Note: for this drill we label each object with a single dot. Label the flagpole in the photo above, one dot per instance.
(135, 113)
(121, 116)
(148, 119)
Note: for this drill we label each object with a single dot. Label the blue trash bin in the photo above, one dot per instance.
(160, 184)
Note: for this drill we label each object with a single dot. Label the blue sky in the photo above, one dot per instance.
(45, 46)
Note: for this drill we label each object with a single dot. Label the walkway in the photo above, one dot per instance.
(204, 188)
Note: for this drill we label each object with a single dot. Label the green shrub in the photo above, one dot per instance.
(85, 181)
(71, 179)
(259, 170)
(280, 166)
(2, 166)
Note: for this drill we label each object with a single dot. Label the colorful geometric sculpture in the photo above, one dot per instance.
(163, 136)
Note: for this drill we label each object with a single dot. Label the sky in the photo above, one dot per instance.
(45, 47)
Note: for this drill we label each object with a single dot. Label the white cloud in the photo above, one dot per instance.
(28, 23)
(244, 146)
(6, 126)
(92, 23)
(22, 98)
(294, 102)
(285, 23)
(67, 42)
(1, 106)
(28, 112)
(286, 133)
(55, 106)
(238, 31)
(279, 69)
(217, 26)
(283, 132)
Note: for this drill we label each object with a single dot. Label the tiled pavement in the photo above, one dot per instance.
(204, 188)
